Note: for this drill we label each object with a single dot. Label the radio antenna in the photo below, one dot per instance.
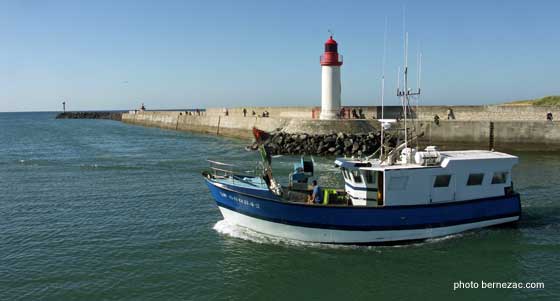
(418, 82)
(405, 94)
(383, 89)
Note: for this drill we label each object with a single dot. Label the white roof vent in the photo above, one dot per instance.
(430, 157)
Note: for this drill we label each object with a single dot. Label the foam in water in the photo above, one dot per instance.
(30, 162)
(329, 167)
(225, 228)
(89, 166)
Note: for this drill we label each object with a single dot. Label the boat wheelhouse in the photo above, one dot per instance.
(451, 176)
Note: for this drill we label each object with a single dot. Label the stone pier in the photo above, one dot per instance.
(483, 127)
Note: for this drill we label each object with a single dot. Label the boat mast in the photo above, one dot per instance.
(383, 89)
(418, 82)
(405, 74)
(406, 92)
(405, 83)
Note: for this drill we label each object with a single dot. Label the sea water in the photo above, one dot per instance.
(97, 209)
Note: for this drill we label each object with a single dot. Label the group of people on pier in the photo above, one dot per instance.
(344, 113)
(351, 113)
(195, 112)
(265, 113)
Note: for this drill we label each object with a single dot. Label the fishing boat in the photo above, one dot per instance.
(398, 194)
(440, 194)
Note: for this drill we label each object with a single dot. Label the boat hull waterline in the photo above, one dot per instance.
(359, 225)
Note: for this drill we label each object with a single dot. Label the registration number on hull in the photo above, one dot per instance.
(240, 200)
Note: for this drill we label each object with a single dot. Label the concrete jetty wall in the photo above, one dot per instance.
(241, 127)
(486, 112)
(511, 135)
(503, 127)
(489, 112)
(275, 112)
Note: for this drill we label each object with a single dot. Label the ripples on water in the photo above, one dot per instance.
(94, 209)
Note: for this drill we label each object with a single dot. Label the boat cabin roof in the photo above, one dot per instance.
(475, 154)
(446, 157)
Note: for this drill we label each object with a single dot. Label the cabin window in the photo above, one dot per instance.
(475, 179)
(368, 175)
(442, 181)
(347, 175)
(356, 175)
(344, 174)
(398, 183)
(499, 177)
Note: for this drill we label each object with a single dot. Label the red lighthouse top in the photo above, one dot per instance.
(330, 41)
(331, 56)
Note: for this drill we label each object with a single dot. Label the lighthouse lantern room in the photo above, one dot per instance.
(331, 61)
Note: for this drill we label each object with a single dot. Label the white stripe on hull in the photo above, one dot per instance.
(347, 236)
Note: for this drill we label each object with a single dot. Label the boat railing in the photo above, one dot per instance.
(230, 171)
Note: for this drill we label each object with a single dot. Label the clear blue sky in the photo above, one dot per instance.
(186, 54)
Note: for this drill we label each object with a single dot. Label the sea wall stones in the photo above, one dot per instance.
(90, 115)
(360, 144)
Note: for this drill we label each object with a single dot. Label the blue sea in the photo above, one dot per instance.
(102, 210)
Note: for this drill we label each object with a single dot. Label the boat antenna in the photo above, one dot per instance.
(405, 87)
(398, 79)
(418, 82)
(383, 89)
(404, 22)
(406, 93)
(419, 66)
(405, 72)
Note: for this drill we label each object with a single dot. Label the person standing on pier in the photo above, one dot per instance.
(354, 113)
(244, 112)
(450, 114)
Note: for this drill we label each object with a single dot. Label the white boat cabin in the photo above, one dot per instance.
(421, 178)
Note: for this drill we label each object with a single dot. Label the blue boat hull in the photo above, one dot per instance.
(263, 211)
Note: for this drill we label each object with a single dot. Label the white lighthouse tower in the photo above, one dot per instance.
(330, 80)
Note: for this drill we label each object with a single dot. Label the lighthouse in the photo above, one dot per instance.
(330, 80)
